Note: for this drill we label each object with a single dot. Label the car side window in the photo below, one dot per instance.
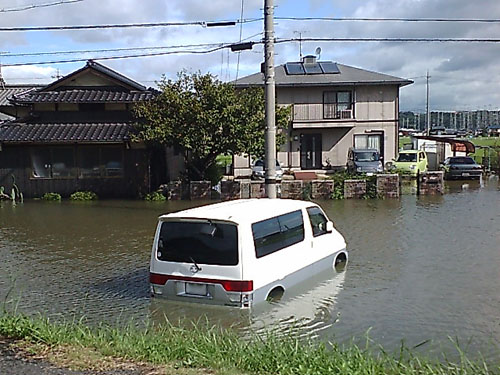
(318, 221)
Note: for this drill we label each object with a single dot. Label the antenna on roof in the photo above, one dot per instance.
(2, 82)
(318, 52)
(57, 75)
(300, 43)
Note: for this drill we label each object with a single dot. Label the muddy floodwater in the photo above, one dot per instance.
(423, 270)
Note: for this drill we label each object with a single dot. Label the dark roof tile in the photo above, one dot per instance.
(64, 133)
(83, 96)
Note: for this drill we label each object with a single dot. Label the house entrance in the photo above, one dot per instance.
(310, 151)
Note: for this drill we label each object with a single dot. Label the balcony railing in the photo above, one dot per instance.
(320, 111)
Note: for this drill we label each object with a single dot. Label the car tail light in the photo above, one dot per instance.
(228, 285)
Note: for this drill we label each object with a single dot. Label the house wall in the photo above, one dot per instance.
(375, 112)
(15, 160)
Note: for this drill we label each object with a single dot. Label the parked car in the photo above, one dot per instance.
(242, 252)
(412, 162)
(461, 167)
(364, 161)
(259, 172)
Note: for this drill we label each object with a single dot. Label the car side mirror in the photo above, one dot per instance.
(329, 227)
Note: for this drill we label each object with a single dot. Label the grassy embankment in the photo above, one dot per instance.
(204, 349)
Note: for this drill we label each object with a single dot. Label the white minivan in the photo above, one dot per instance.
(242, 252)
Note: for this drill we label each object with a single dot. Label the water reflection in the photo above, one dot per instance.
(420, 268)
(309, 308)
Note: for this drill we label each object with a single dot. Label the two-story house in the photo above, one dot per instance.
(75, 134)
(334, 107)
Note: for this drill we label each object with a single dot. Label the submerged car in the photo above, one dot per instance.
(259, 170)
(242, 252)
(412, 162)
(364, 161)
(461, 167)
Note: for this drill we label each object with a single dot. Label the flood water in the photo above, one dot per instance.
(423, 270)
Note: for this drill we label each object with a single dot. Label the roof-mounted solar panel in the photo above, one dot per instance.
(313, 68)
(294, 69)
(329, 67)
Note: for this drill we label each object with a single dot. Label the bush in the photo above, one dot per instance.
(155, 196)
(51, 197)
(83, 196)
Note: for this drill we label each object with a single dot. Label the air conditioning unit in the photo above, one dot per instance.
(346, 114)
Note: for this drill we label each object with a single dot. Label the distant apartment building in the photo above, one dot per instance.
(459, 120)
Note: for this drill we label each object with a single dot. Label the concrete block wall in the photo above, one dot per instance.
(257, 189)
(292, 189)
(354, 188)
(230, 190)
(430, 183)
(174, 191)
(388, 185)
(321, 189)
(200, 190)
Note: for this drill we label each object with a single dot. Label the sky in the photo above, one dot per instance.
(463, 76)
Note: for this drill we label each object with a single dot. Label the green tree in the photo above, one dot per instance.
(205, 118)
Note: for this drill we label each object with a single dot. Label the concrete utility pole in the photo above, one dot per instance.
(270, 155)
(428, 111)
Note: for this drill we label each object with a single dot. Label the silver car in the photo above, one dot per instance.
(364, 161)
(258, 170)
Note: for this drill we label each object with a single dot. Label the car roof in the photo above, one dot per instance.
(242, 211)
(410, 151)
(364, 150)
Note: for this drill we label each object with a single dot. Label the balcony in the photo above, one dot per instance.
(322, 115)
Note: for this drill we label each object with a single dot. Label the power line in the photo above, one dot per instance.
(228, 45)
(365, 19)
(124, 26)
(118, 57)
(453, 40)
(3, 55)
(34, 6)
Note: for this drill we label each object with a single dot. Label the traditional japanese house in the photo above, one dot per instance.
(75, 134)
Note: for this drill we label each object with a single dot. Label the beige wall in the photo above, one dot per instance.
(375, 112)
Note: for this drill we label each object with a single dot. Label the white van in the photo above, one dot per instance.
(242, 252)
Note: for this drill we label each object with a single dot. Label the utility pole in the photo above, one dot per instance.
(270, 153)
(428, 112)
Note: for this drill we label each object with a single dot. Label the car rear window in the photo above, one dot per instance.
(277, 233)
(202, 242)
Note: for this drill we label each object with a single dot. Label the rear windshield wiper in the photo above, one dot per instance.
(197, 268)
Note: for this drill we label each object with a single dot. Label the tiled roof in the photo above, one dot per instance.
(348, 75)
(9, 90)
(84, 96)
(13, 132)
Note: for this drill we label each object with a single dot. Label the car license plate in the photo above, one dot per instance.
(465, 174)
(196, 289)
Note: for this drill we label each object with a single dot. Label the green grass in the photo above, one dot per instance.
(213, 348)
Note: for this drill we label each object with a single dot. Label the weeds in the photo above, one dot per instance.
(205, 346)
(83, 196)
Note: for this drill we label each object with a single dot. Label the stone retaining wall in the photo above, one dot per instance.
(388, 185)
(174, 191)
(354, 188)
(430, 183)
(200, 190)
(321, 189)
(292, 189)
(230, 190)
(257, 189)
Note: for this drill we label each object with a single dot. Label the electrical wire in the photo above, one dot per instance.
(34, 6)
(366, 19)
(454, 40)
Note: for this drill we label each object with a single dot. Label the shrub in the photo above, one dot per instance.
(51, 197)
(83, 196)
(155, 196)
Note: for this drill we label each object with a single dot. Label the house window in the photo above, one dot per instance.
(374, 141)
(100, 162)
(337, 105)
(57, 162)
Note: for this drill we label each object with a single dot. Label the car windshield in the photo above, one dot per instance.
(462, 160)
(260, 163)
(407, 157)
(203, 242)
(366, 156)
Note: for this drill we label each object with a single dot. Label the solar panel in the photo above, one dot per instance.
(294, 69)
(329, 67)
(312, 68)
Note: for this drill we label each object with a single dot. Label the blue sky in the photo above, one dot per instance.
(463, 76)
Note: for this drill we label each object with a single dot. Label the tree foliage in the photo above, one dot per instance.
(205, 117)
